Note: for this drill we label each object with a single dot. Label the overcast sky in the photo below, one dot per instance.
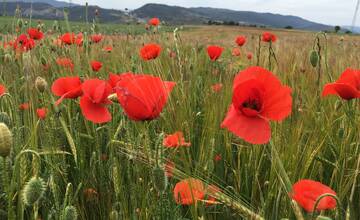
(334, 12)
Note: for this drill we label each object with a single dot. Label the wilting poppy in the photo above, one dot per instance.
(150, 51)
(68, 38)
(154, 21)
(236, 52)
(347, 86)
(306, 192)
(258, 96)
(23, 43)
(96, 38)
(240, 41)
(214, 52)
(268, 37)
(94, 100)
(65, 62)
(67, 88)
(24, 106)
(35, 33)
(2, 90)
(143, 96)
(41, 113)
(217, 87)
(188, 191)
(96, 65)
(175, 140)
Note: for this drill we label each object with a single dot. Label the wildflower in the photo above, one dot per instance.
(154, 21)
(217, 87)
(214, 52)
(240, 41)
(41, 113)
(268, 37)
(67, 88)
(2, 90)
(188, 191)
(96, 38)
(236, 52)
(150, 51)
(175, 140)
(96, 65)
(65, 62)
(35, 33)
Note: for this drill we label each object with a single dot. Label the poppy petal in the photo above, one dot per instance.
(277, 105)
(345, 91)
(96, 113)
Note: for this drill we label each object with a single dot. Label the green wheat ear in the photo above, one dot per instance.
(6, 140)
(160, 179)
(33, 190)
(70, 213)
(5, 118)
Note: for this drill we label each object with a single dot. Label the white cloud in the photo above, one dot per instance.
(333, 12)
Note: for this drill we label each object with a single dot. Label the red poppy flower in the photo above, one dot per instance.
(249, 56)
(94, 100)
(268, 37)
(68, 38)
(154, 21)
(306, 192)
(347, 86)
(65, 62)
(2, 90)
(175, 140)
(217, 87)
(150, 51)
(96, 65)
(240, 41)
(217, 158)
(96, 38)
(115, 78)
(169, 168)
(24, 106)
(67, 88)
(236, 52)
(41, 113)
(258, 96)
(214, 52)
(23, 43)
(143, 96)
(188, 191)
(108, 49)
(35, 33)
(79, 39)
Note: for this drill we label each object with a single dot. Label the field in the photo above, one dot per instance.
(59, 163)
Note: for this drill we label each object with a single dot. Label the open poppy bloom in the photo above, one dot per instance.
(258, 96)
(214, 52)
(68, 38)
(240, 41)
(346, 87)
(188, 191)
(150, 51)
(306, 192)
(23, 43)
(268, 37)
(67, 88)
(175, 140)
(35, 33)
(41, 113)
(96, 65)
(143, 97)
(79, 39)
(236, 52)
(154, 21)
(115, 78)
(2, 90)
(96, 38)
(65, 62)
(94, 100)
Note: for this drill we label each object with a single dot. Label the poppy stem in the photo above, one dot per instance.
(323, 196)
(258, 52)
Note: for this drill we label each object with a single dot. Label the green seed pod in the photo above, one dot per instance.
(114, 215)
(314, 58)
(33, 190)
(341, 132)
(5, 118)
(40, 84)
(20, 23)
(160, 179)
(70, 213)
(6, 140)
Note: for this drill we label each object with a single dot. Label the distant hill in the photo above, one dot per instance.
(175, 14)
(52, 9)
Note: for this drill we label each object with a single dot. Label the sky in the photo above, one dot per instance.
(333, 12)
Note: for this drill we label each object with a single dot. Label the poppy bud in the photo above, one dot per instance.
(114, 215)
(6, 140)
(40, 84)
(314, 58)
(70, 213)
(33, 190)
(113, 97)
(160, 179)
(5, 118)
(20, 23)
